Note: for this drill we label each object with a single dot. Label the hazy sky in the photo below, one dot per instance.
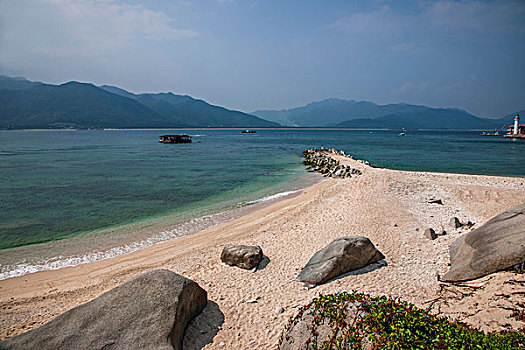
(267, 54)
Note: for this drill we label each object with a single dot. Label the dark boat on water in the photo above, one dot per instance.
(249, 131)
(175, 139)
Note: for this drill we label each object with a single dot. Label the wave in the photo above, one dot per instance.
(269, 198)
(188, 228)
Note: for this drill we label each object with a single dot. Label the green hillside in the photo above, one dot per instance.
(427, 119)
(26, 104)
(76, 105)
(194, 112)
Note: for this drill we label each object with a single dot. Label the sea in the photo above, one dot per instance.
(77, 196)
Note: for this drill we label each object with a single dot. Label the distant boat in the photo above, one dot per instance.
(496, 133)
(249, 131)
(175, 139)
(401, 134)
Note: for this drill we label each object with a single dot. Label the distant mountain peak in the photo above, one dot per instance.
(16, 83)
(77, 83)
(18, 78)
(328, 101)
(335, 112)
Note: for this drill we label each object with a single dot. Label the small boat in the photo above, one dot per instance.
(249, 131)
(496, 133)
(175, 139)
(401, 134)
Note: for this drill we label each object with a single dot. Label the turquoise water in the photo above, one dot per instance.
(63, 184)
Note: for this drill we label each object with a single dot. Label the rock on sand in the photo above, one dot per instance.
(495, 246)
(243, 256)
(343, 255)
(150, 311)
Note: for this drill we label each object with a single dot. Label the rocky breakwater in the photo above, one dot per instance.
(322, 161)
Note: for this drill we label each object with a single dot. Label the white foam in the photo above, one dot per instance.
(55, 263)
(187, 228)
(269, 198)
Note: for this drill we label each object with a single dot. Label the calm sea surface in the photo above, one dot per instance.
(68, 197)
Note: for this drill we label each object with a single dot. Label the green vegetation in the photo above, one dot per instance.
(25, 104)
(386, 323)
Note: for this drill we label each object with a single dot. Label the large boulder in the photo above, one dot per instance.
(243, 256)
(150, 311)
(343, 255)
(497, 245)
(306, 331)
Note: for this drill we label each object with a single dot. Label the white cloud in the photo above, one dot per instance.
(483, 19)
(458, 85)
(105, 41)
(81, 27)
(478, 16)
(365, 22)
(121, 22)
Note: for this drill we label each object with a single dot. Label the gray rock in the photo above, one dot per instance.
(436, 201)
(430, 233)
(243, 256)
(497, 245)
(455, 223)
(278, 310)
(343, 255)
(299, 333)
(308, 331)
(150, 311)
(441, 232)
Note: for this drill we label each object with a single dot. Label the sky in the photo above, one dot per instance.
(265, 54)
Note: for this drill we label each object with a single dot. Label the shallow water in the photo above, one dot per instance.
(95, 194)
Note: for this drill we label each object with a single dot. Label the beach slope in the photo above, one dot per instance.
(247, 310)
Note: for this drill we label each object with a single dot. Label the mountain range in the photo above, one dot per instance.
(363, 114)
(28, 104)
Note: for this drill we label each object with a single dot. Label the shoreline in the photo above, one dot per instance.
(388, 206)
(161, 234)
(152, 232)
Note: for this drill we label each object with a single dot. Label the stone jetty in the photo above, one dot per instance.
(322, 161)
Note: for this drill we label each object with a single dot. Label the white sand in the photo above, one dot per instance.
(390, 207)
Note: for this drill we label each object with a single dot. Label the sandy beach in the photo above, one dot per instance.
(247, 310)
